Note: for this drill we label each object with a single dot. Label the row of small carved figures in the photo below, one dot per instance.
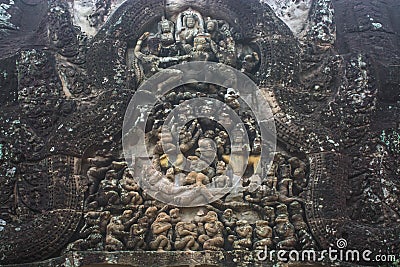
(209, 230)
(112, 184)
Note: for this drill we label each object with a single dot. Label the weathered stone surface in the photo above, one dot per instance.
(328, 68)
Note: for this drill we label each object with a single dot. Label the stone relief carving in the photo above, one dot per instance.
(62, 172)
(192, 38)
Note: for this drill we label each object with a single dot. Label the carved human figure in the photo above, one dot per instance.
(95, 175)
(170, 174)
(138, 233)
(255, 191)
(198, 192)
(222, 181)
(206, 150)
(263, 235)
(270, 214)
(244, 234)
(164, 148)
(229, 220)
(221, 141)
(109, 189)
(129, 190)
(175, 216)
(212, 29)
(189, 136)
(199, 219)
(250, 62)
(100, 164)
(297, 218)
(115, 235)
(94, 241)
(231, 99)
(226, 52)
(200, 166)
(272, 179)
(166, 190)
(96, 219)
(91, 234)
(166, 34)
(285, 237)
(162, 233)
(299, 173)
(286, 183)
(257, 145)
(189, 24)
(151, 61)
(186, 234)
(204, 48)
(128, 218)
(213, 238)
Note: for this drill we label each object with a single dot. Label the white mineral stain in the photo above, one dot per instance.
(293, 13)
(376, 25)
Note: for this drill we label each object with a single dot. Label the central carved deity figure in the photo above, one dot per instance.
(191, 38)
(206, 161)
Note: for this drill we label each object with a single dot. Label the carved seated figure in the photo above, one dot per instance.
(128, 218)
(149, 215)
(212, 28)
(115, 235)
(138, 232)
(201, 166)
(91, 234)
(151, 61)
(299, 173)
(188, 136)
(244, 233)
(255, 191)
(129, 190)
(198, 194)
(204, 48)
(221, 140)
(286, 186)
(206, 150)
(305, 239)
(222, 181)
(186, 234)
(164, 148)
(189, 24)
(162, 233)
(229, 219)
(270, 214)
(220, 168)
(231, 99)
(285, 237)
(175, 216)
(95, 175)
(109, 190)
(271, 194)
(213, 238)
(263, 234)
